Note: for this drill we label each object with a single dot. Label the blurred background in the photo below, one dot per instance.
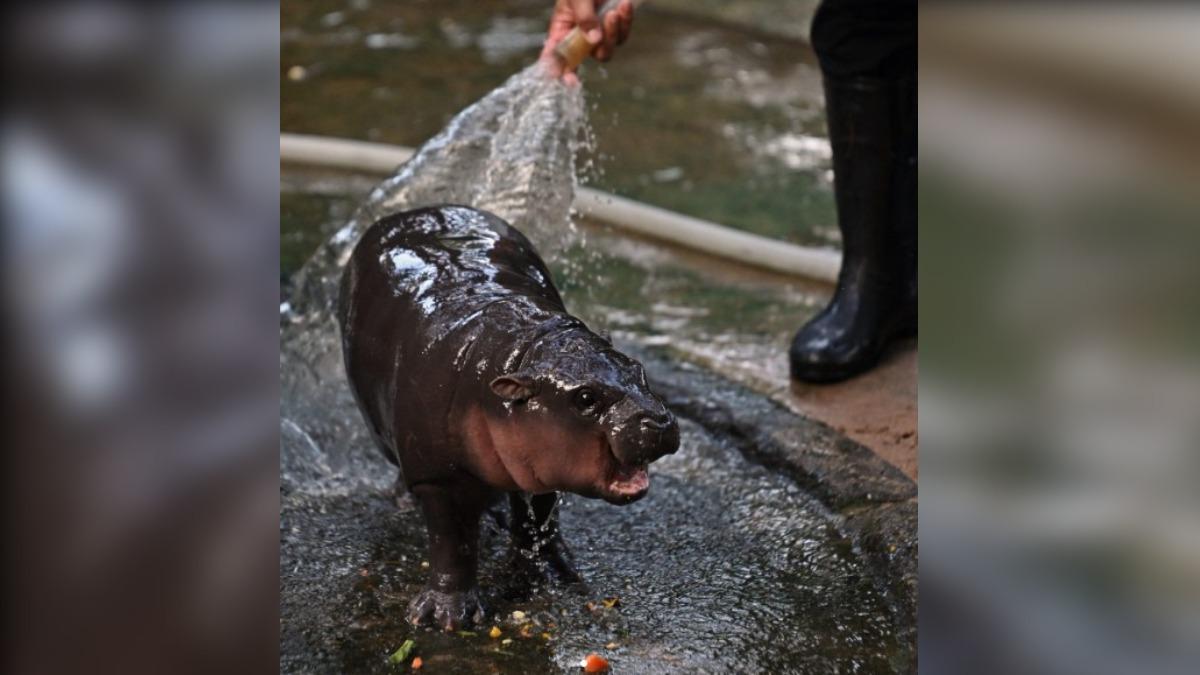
(141, 252)
(1060, 328)
(707, 111)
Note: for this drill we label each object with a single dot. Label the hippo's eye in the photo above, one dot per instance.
(585, 399)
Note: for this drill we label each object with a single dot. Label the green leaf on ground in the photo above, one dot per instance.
(401, 655)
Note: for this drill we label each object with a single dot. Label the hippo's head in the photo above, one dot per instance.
(581, 418)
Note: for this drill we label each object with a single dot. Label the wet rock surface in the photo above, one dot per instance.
(724, 566)
(728, 565)
(837, 470)
(877, 501)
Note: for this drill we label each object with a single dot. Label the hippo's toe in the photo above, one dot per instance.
(448, 610)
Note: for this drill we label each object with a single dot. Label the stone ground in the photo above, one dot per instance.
(769, 543)
(878, 500)
(877, 409)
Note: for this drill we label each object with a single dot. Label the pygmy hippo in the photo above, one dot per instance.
(474, 379)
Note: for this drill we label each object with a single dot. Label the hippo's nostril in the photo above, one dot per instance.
(655, 424)
(659, 436)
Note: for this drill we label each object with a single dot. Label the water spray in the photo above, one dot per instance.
(574, 48)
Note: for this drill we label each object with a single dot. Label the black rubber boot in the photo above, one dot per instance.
(904, 203)
(873, 134)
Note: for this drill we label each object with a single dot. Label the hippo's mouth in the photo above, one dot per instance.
(625, 482)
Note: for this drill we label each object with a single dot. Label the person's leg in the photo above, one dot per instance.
(904, 200)
(867, 50)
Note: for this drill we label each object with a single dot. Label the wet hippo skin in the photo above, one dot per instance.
(476, 381)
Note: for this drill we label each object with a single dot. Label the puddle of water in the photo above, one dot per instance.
(694, 116)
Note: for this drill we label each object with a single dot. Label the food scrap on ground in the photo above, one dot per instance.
(594, 663)
(401, 655)
(417, 663)
(494, 632)
(607, 603)
(518, 616)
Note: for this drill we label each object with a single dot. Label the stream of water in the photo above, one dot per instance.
(511, 153)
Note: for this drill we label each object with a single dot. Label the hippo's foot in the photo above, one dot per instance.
(550, 563)
(498, 515)
(400, 494)
(448, 610)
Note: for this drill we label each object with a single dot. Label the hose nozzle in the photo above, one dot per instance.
(574, 48)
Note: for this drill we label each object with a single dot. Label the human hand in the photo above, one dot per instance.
(604, 36)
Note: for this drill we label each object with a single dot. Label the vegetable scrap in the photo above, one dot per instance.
(607, 603)
(417, 663)
(494, 632)
(594, 663)
(401, 655)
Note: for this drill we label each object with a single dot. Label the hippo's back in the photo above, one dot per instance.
(440, 262)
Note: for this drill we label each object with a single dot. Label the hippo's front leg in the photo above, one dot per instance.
(450, 598)
(539, 547)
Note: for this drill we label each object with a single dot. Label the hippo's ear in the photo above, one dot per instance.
(514, 387)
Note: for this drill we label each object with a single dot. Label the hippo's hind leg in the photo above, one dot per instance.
(538, 547)
(451, 598)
